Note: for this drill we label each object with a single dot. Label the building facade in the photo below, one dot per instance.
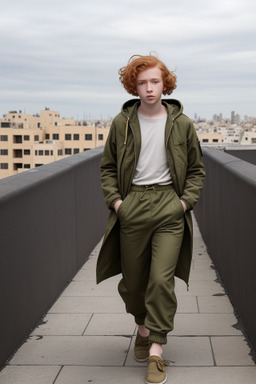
(28, 141)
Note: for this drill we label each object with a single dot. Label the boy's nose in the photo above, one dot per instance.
(149, 87)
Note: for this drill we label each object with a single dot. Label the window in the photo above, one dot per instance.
(205, 140)
(60, 152)
(17, 166)
(26, 165)
(17, 153)
(40, 152)
(68, 151)
(88, 136)
(36, 138)
(17, 139)
(3, 165)
(100, 136)
(76, 136)
(47, 136)
(26, 151)
(67, 136)
(5, 125)
(3, 138)
(47, 153)
(38, 125)
(3, 152)
(76, 150)
(51, 153)
(86, 149)
(215, 140)
(55, 136)
(26, 137)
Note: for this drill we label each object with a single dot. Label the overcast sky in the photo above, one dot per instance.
(65, 55)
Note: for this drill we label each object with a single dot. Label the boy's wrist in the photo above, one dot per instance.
(117, 204)
(184, 205)
(113, 202)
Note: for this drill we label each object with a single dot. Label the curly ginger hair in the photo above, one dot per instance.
(139, 63)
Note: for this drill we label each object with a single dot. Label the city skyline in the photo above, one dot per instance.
(66, 55)
(100, 117)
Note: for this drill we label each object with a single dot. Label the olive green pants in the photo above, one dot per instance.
(151, 231)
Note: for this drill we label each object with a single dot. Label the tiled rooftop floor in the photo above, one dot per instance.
(87, 337)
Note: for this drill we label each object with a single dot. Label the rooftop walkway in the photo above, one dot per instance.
(86, 337)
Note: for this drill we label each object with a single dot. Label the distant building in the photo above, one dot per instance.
(28, 141)
(235, 118)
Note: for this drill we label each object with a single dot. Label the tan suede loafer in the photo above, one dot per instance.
(141, 348)
(156, 370)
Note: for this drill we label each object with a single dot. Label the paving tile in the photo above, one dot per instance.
(201, 287)
(176, 375)
(198, 275)
(182, 351)
(205, 324)
(187, 304)
(111, 324)
(211, 375)
(63, 324)
(88, 305)
(83, 275)
(188, 351)
(202, 264)
(89, 288)
(214, 304)
(99, 375)
(73, 350)
(231, 351)
(29, 375)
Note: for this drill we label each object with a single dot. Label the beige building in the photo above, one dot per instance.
(28, 141)
(210, 138)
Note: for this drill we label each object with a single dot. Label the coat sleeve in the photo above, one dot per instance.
(109, 169)
(195, 169)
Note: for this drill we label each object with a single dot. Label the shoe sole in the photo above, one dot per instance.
(161, 382)
(140, 360)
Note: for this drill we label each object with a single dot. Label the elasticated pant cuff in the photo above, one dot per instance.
(159, 338)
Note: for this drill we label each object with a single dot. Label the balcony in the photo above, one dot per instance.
(52, 222)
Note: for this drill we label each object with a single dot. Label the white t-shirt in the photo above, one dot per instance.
(152, 167)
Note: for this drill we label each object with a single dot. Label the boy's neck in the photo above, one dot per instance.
(151, 111)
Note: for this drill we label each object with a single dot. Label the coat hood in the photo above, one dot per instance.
(173, 106)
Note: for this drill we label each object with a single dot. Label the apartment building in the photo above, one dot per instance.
(219, 132)
(28, 141)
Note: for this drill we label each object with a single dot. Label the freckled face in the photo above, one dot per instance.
(150, 86)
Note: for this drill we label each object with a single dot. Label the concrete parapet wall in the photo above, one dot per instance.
(248, 155)
(226, 215)
(51, 219)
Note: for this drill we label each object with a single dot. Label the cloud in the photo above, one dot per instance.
(68, 53)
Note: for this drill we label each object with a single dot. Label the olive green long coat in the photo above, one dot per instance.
(118, 165)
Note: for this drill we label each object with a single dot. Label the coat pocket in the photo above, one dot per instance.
(122, 207)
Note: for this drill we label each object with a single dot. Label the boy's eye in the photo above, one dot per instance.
(141, 82)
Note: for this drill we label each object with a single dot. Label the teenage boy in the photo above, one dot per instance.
(151, 174)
